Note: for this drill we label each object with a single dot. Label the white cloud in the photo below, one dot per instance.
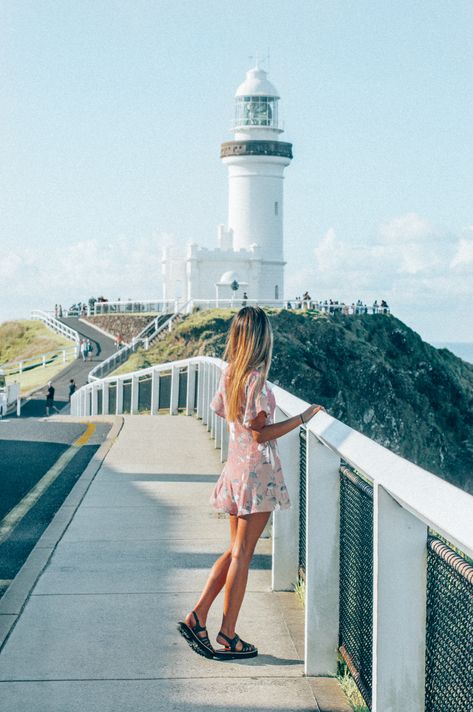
(424, 273)
(40, 278)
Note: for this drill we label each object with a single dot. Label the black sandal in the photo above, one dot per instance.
(229, 652)
(199, 644)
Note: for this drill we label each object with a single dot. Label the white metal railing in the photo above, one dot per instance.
(162, 306)
(144, 338)
(136, 306)
(40, 360)
(407, 501)
(57, 326)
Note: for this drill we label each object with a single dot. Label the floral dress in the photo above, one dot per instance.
(252, 479)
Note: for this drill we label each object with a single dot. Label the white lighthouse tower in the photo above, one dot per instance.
(250, 247)
(256, 160)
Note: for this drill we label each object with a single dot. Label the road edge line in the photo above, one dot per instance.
(16, 596)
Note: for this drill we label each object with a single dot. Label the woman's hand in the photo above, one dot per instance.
(311, 411)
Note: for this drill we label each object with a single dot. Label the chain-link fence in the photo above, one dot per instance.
(356, 578)
(449, 643)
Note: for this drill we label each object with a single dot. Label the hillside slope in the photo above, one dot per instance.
(372, 372)
(26, 338)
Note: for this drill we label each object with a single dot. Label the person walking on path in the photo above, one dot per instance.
(83, 349)
(251, 484)
(89, 348)
(50, 399)
(72, 388)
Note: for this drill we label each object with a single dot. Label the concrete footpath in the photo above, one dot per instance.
(98, 630)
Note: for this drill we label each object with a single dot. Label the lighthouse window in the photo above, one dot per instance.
(256, 111)
(276, 208)
(276, 291)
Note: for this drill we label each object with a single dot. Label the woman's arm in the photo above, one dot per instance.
(262, 432)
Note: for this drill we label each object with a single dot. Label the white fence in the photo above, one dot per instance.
(38, 361)
(407, 502)
(57, 326)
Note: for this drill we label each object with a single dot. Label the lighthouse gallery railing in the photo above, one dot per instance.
(384, 547)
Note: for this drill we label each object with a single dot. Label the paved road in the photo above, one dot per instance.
(29, 451)
(78, 370)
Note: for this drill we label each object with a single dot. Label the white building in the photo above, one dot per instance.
(250, 248)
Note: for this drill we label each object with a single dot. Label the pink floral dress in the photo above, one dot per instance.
(252, 479)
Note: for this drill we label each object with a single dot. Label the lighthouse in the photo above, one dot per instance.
(256, 160)
(248, 263)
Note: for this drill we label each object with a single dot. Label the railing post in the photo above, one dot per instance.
(119, 395)
(322, 558)
(105, 400)
(190, 395)
(94, 399)
(20, 367)
(213, 415)
(174, 390)
(134, 395)
(64, 355)
(200, 388)
(224, 441)
(205, 392)
(209, 394)
(399, 606)
(44, 360)
(286, 523)
(154, 391)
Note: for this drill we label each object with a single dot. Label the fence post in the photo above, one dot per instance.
(190, 396)
(105, 400)
(286, 524)
(64, 355)
(94, 408)
(399, 606)
(200, 388)
(154, 391)
(174, 390)
(119, 396)
(322, 558)
(20, 367)
(224, 441)
(44, 360)
(134, 395)
(205, 392)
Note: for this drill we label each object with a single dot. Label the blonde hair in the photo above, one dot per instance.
(249, 346)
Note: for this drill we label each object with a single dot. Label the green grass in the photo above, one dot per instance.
(26, 338)
(349, 687)
(38, 377)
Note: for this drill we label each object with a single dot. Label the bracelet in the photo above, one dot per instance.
(302, 419)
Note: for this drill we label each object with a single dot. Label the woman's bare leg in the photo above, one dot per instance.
(249, 530)
(215, 581)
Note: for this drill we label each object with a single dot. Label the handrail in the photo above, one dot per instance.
(38, 360)
(56, 325)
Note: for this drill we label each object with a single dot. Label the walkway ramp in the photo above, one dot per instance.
(98, 631)
(78, 370)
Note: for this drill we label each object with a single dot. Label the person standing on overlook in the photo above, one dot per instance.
(251, 484)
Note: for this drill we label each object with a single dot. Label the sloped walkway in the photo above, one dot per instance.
(98, 632)
(78, 369)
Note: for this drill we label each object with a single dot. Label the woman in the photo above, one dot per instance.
(251, 485)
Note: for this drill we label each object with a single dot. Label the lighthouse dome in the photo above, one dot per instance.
(257, 84)
(229, 277)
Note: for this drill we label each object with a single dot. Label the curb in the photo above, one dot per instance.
(18, 592)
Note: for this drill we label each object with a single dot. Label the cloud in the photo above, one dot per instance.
(421, 271)
(39, 278)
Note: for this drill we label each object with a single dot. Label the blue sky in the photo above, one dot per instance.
(113, 112)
